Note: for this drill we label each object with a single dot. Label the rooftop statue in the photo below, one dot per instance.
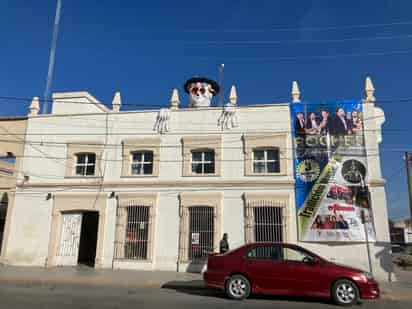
(201, 91)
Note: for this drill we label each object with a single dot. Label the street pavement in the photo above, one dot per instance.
(102, 297)
(83, 287)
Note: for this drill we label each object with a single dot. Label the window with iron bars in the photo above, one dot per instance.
(134, 244)
(268, 225)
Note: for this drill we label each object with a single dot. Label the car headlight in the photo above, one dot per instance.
(368, 275)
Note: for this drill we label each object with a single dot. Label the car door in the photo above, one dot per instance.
(301, 274)
(262, 267)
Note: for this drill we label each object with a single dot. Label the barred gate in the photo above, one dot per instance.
(265, 221)
(132, 232)
(201, 231)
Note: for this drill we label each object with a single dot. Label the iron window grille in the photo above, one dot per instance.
(266, 161)
(142, 163)
(268, 224)
(134, 221)
(201, 232)
(85, 164)
(203, 162)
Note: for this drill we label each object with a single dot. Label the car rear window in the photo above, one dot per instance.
(269, 252)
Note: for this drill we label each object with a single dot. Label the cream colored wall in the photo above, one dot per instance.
(80, 102)
(29, 232)
(48, 174)
(13, 132)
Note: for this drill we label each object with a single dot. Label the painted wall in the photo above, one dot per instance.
(46, 164)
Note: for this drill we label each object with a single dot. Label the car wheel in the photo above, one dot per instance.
(237, 287)
(345, 293)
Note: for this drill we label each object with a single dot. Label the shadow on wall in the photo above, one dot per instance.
(385, 258)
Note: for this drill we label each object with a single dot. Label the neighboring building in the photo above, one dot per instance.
(104, 188)
(13, 132)
(401, 231)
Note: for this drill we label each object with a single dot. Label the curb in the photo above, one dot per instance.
(69, 282)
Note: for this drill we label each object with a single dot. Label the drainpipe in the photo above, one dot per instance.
(115, 227)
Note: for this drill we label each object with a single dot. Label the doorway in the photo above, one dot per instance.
(88, 238)
(4, 202)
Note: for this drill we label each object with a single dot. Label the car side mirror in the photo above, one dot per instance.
(311, 260)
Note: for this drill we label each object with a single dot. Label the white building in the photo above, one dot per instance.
(103, 187)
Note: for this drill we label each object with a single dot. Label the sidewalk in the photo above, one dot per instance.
(82, 275)
(401, 289)
(85, 276)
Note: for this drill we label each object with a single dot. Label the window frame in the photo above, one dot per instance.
(85, 165)
(203, 161)
(142, 162)
(74, 148)
(145, 144)
(265, 160)
(201, 143)
(252, 142)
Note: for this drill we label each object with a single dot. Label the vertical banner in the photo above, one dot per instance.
(331, 171)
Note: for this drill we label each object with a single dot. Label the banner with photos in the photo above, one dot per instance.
(331, 172)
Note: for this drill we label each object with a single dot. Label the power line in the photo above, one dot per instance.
(314, 57)
(274, 102)
(306, 29)
(269, 42)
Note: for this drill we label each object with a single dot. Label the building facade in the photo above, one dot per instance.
(155, 190)
(13, 132)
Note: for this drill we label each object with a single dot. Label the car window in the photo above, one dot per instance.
(294, 255)
(264, 253)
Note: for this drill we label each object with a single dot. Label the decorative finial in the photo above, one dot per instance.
(369, 91)
(117, 102)
(174, 100)
(233, 95)
(295, 92)
(34, 107)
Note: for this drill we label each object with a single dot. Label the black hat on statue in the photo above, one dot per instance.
(214, 85)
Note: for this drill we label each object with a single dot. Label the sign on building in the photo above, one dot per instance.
(331, 172)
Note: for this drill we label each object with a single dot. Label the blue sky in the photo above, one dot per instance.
(146, 48)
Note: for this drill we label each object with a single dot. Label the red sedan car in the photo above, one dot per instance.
(286, 269)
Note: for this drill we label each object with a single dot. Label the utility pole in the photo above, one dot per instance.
(221, 78)
(408, 161)
(52, 57)
(364, 221)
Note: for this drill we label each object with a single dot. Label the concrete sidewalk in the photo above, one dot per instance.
(401, 289)
(85, 276)
(82, 275)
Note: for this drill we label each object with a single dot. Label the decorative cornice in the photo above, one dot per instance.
(150, 183)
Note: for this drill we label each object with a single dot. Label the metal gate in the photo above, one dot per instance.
(70, 239)
(201, 231)
(268, 224)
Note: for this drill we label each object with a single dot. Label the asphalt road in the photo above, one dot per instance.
(90, 297)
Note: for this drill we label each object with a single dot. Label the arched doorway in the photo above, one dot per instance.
(4, 203)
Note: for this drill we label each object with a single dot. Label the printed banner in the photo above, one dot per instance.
(331, 172)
